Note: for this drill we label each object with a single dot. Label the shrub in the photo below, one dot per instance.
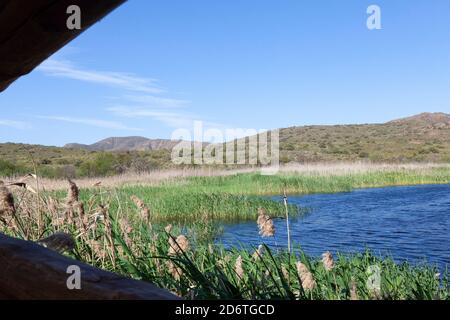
(8, 169)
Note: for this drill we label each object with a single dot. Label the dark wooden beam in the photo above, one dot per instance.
(30, 271)
(31, 31)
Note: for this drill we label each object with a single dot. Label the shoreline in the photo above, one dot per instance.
(160, 177)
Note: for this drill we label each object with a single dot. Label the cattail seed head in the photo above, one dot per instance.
(327, 260)
(72, 193)
(268, 229)
(306, 277)
(52, 206)
(179, 245)
(7, 207)
(238, 267)
(174, 270)
(144, 211)
(125, 225)
(265, 224)
(261, 216)
(168, 228)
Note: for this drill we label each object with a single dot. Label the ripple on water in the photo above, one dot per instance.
(407, 223)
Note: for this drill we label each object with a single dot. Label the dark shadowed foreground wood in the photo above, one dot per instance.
(32, 30)
(30, 271)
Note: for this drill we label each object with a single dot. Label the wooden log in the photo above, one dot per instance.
(30, 271)
(31, 31)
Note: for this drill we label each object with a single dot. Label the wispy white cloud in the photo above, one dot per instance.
(66, 69)
(14, 124)
(157, 102)
(171, 119)
(92, 122)
(138, 100)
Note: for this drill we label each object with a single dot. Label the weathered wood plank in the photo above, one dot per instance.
(31, 31)
(30, 271)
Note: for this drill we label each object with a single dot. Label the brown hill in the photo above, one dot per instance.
(126, 144)
(423, 137)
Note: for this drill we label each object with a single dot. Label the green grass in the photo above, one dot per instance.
(257, 184)
(182, 206)
(237, 197)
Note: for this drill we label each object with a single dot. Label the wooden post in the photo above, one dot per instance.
(30, 271)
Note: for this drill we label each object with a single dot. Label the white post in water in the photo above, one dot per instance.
(287, 222)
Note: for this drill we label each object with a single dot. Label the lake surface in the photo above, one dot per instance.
(407, 223)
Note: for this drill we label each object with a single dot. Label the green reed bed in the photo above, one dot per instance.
(297, 183)
(181, 206)
(130, 241)
(237, 197)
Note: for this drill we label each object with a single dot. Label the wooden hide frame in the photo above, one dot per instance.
(32, 30)
(30, 271)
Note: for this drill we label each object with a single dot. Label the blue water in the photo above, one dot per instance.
(407, 223)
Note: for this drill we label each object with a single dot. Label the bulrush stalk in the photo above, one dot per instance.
(306, 277)
(72, 194)
(109, 233)
(71, 201)
(144, 210)
(126, 229)
(178, 245)
(265, 224)
(238, 267)
(168, 228)
(285, 201)
(327, 261)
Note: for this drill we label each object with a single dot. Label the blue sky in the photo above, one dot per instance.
(151, 67)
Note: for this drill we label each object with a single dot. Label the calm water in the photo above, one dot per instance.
(407, 223)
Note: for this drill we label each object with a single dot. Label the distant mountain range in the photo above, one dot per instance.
(425, 136)
(126, 144)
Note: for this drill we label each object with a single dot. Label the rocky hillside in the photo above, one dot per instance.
(125, 144)
(423, 137)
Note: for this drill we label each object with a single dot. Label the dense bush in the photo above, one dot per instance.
(10, 169)
(103, 164)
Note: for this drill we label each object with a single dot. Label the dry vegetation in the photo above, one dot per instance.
(423, 138)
